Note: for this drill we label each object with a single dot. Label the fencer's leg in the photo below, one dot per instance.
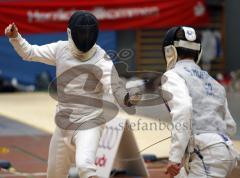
(60, 157)
(218, 163)
(182, 173)
(197, 169)
(86, 142)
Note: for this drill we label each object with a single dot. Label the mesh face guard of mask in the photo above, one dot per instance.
(84, 30)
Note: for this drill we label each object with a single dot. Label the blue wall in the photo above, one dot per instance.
(11, 64)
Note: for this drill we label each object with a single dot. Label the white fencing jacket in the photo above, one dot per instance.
(194, 109)
(59, 54)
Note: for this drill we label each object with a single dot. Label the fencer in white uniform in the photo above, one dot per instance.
(202, 123)
(78, 145)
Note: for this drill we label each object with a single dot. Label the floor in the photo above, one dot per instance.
(24, 146)
(27, 150)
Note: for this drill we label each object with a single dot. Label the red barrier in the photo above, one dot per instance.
(52, 16)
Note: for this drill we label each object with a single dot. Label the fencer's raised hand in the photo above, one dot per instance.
(173, 169)
(11, 31)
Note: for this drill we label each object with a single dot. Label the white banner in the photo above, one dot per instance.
(118, 150)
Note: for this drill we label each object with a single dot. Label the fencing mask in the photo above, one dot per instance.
(83, 30)
(189, 41)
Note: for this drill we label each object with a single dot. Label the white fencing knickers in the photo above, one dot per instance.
(218, 162)
(63, 154)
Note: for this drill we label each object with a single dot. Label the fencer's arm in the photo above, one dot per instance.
(112, 84)
(230, 123)
(181, 113)
(44, 53)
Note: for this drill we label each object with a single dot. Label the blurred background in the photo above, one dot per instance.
(132, 33)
